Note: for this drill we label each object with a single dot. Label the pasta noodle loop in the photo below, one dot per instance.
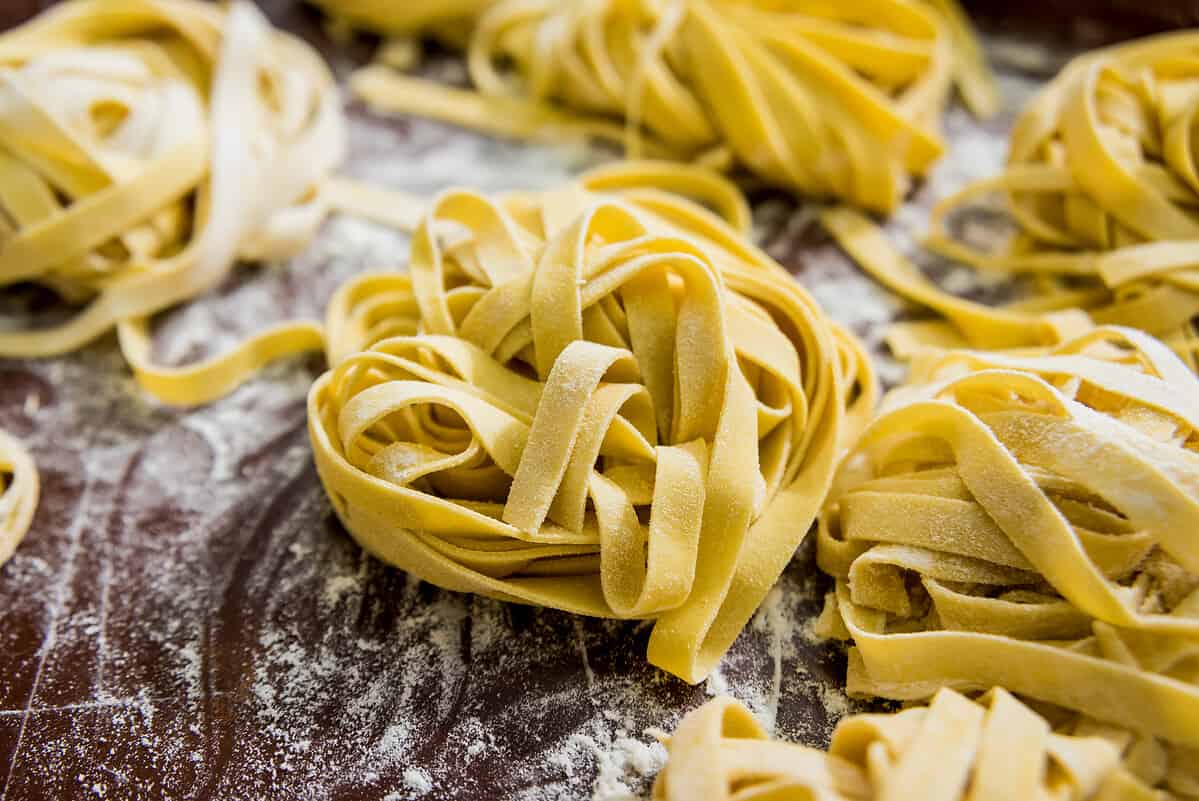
(19, 487)
(993, 748)
(1028, 522)
(598, 399)
(1101, 194)
(830, 99)
(144, 146)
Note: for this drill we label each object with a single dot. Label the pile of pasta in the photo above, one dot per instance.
(993, 748)
(145, 145)
(1030, 523)
(830, 99)
(1102, 191)
(19, 487)
(599, 399)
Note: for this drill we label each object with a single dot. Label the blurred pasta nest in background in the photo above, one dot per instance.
(145, 146)
(1029, 522)
(830, 99)
(598, 398)
(1100, 205)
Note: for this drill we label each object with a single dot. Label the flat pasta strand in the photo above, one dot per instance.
(19, 487)
(1028, 522)
(830, 99)
(1102, 192)
(992, 748)
(597, 398)
(145, 145)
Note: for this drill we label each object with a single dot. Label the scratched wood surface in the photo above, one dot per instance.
(186, 620)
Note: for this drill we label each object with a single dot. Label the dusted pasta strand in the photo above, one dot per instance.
(1029, 522)
(145, 146)
(993, 748)
(19, 487)
(830, 99)
(1102, 189)
(599, 399)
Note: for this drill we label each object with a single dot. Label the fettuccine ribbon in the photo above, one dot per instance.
(19, 488)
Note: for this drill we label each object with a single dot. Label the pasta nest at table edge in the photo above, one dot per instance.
(1030, 523)
(1102, 191)
(145, 145)
(597, 398)
(993, 748)
(19, 488)
(829, 99)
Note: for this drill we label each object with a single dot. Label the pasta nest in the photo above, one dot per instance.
(830, 99)
(1030, 523)
(144, 146)
(1100, 198)
(597, 399)
(993, 748)
(19, 487)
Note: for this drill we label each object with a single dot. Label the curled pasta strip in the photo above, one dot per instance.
(993, 748)
(1102, 192)
(145, 145)
(830, 99)
(1028, 522)
(19, 489)
(598, 399)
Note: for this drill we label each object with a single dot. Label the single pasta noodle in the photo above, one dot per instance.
(992, 748)
(19, 489)
(598, 399)
(145, 145)
(1102, 192)
(1030, 523)
(831, 99)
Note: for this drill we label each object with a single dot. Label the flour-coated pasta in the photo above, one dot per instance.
(1030, 523)
(992, 748)
(145, 145)
(598, 398)
(837, 99)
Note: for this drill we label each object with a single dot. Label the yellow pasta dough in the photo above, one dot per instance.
(598, 399)
(19, 488)
(839, 99)
(955, 749)
(1103, 192)
(1031, 523)
(144, 146)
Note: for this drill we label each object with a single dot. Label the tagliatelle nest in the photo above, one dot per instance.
(1102, 190)
(955, 749)
(145, 146)
(598, 399)
(840, 99)
(1030, 523)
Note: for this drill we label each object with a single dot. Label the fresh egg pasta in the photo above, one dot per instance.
(599, 399)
